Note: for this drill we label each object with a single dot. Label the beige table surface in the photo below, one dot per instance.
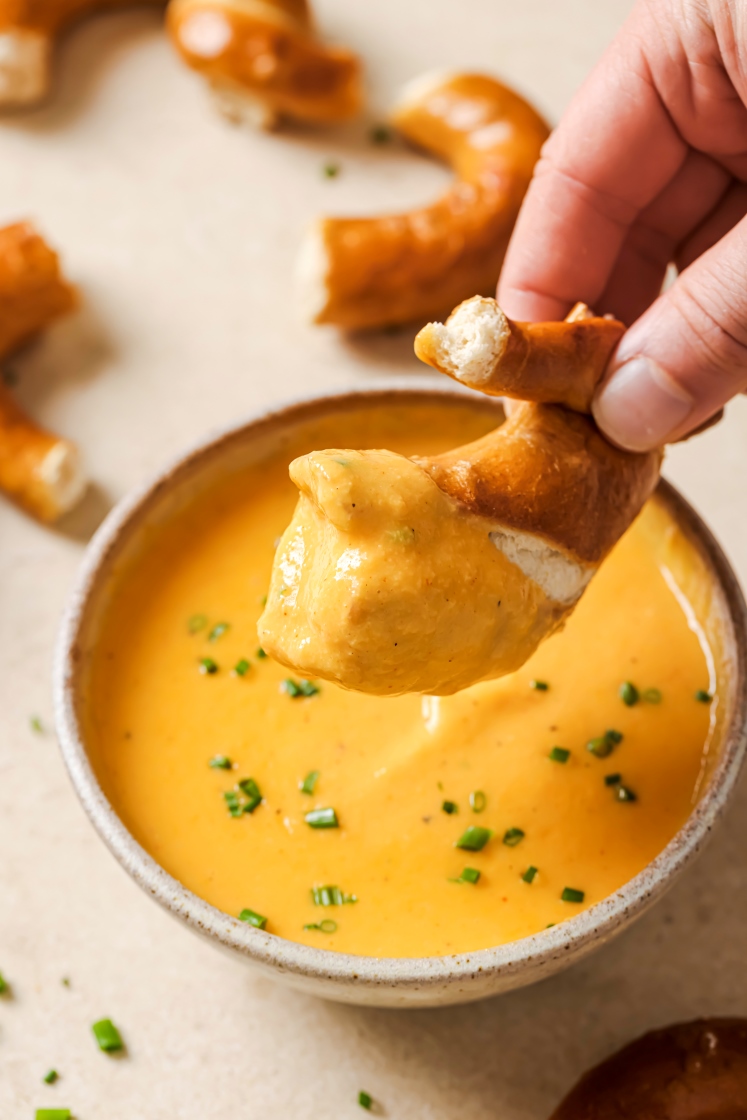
(182, 232)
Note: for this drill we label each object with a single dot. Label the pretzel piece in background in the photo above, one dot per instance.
(264, 61)
(28, 30)
(360, 273)
(40, 471)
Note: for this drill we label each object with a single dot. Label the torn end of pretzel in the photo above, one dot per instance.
(548, 363)
(33, 291)
(39, 471)
(24, 67)
(469, 345)
(243, 108)
(312, 275)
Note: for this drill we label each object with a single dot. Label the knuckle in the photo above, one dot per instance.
(716, 321)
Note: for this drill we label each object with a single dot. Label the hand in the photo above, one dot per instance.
(648, 166)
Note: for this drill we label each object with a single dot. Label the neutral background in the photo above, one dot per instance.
(182, 232)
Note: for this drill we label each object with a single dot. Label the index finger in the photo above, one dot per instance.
(615, 149)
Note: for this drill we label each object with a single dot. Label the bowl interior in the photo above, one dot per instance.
(699, 575)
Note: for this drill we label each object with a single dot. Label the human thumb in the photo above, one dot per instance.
(686, 355)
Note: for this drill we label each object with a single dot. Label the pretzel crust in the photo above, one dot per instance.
(362, 273)
(559, 363)
(542, 467)
(689, 1070)
(263, 60)
(38, 470)
(28, 29)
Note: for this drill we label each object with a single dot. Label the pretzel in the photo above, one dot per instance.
(371, 272)
(503, 535)
(28, 30)
(481, 347)
(38, 470)
(684, 1072)
(264, 62)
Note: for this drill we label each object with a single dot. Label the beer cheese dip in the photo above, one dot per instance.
(393, 826)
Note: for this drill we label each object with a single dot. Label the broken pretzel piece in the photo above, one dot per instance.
(264, 61)
(38, 470)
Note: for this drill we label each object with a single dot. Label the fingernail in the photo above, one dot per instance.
(641, 405)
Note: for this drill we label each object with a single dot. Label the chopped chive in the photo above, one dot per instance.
(365, 1100)
(261, 655)
(331, 170)
(468, 875)
(612, 779)
(652, 696)
(50, 1077)
(474, 838)
(241, 668)
(308, 785)
(218, 631)
(327, 926)
(322, 818)
(36, 725)
(549, 925)
(107, 1036)
(299, 688)
(703, 697)
(513, 836)
(539, 686)
(53, 1114)
(380, 134)
(196, 623)
(478, 801)
(4, 985)
(604, 745)
(220, 762)
(208, 666)
(251, 790)
(65, 981)
(623, 793)
(570, 894)
(529, 874)
(559, 754)
(253, 918)
(331, 896)
(244, 798)
(628, 693)
(449, 807)
(263, 600)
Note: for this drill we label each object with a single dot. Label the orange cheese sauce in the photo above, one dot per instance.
(386, 765)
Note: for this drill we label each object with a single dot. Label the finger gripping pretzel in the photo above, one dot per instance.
(28, 29)
(689, 1071)
(372, 272)
(430, 574)
(263, 60)
(481, 347)
(40, 471)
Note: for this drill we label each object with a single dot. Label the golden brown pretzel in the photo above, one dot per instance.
(481, 347)
(387, 583)
(263, 60)
(373, 272)
(38, 470)
(691, 1071)
(28, 29)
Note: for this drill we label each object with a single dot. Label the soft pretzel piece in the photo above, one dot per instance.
(371, 272)
(40, 471)
(691, 1071)
(33, 291)
(481, 347)
(264, 62)
(28, 29)
(387, 583)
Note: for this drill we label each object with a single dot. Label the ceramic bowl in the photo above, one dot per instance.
(392, 982)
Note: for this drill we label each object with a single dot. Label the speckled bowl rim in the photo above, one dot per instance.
(333, 970)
